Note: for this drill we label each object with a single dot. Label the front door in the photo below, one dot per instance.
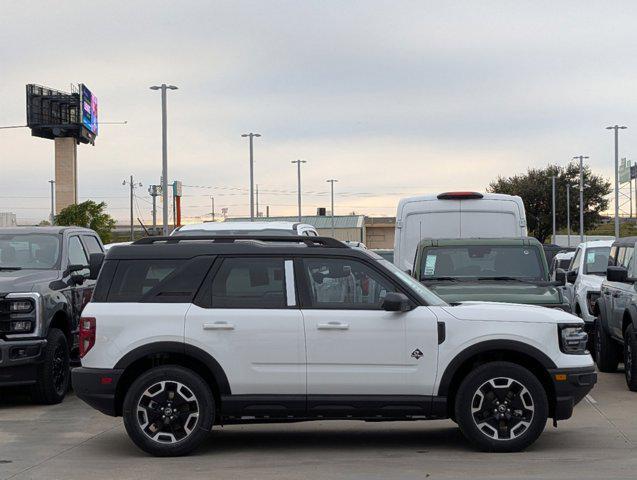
(354, 347)
(246, 317)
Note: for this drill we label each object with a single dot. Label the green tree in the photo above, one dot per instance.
(88, 214)
(535, 189)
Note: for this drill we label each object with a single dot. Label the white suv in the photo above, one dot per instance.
(184, 334)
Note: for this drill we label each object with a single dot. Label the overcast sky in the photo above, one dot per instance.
(392, 98)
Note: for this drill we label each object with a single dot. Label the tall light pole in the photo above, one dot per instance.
(568, 214)
(298, 178)
(52, 182)
(553, 204)
(164, 152)
(581, 159)
(212, 200)
(331, 181)
(251, 136)
(617, 128)
(133, 185)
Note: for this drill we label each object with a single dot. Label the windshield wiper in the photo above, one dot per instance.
(10, 268)
(513, 279)
(446, 279)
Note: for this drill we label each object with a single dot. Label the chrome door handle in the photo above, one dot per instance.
(333, 326)
(218, 326)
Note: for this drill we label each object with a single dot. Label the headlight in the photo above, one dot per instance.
(20, 306)
(573, 339)
(19, 316)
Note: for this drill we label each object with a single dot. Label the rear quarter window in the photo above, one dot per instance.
(157, 280)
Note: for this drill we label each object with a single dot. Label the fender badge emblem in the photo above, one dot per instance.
(417, 354)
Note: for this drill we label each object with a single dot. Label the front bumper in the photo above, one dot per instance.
(97, 387)
(570, 385)
(19, 360)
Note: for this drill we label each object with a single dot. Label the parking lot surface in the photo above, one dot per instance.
(73, 441)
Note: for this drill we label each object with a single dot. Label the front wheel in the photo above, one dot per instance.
(168, 411)
(501, 407)
(606, 349)
(53, 373)
(630, 358)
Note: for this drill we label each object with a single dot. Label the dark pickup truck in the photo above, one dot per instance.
(44, 286)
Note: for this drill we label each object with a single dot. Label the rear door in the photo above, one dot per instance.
(246, 317)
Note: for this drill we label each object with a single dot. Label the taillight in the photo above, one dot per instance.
(460, 196)
(87, 335)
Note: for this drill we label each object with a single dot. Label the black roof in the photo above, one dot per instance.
(184, 247)
(623, 241)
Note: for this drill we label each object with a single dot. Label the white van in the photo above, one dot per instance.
(247, 228)
(455, 215)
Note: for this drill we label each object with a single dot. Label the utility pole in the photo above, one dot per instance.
(553, 203)
(153, 190)
(257, 207)
(132, 184)
(617, 128)
(568, 214)
(581, 159)
(212, 199)
(164, 151)
(52, 219)
(251, 136)
(331, 181)
(298, 177)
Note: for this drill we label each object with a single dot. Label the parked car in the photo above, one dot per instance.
(616, 325)
(43, 287)
(455, 215)
(355, 244)
(561, 260)
(550, 250)
(181, 336)
(247, 228)
(511, 270)
(584, 279)
(108, 246)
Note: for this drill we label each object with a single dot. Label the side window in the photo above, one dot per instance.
(612, 257)
(249, 283)
(158, 281)
(77, 255)
(344, 284)
(92, 245)
(627, 261)
(576, 260)
(620, 256)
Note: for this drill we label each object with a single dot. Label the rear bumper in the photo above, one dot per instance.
(97, 387)
(19, 360)
(571, 385)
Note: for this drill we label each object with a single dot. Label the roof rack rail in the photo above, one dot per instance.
(326, 242)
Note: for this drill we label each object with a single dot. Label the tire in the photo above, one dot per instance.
(515, 414)
(152, 400)
(630, 358)
(54, 374)
(607, 351)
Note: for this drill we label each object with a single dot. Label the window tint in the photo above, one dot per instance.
(92, 245)
(158, 281)
(627, 259)
(344, 284)
(249, 283)
(596, 261)
(77, 255)
(612, 258)
(620, 256)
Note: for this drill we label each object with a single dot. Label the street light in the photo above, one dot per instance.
(581, 159)
(331, 181)
(164, 151)
(251, 136)
(298, 177)
(616, 128)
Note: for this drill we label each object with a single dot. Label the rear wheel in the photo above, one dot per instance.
(607, 351)
(168, 411)
(630, 358)
(53, 373)
(501, 407)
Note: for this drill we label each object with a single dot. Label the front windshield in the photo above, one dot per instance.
(482, 262)
(236, 233)
(427, 295)
(36, 251)
(596, 260)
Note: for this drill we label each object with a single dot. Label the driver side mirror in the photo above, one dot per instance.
(617, 274)
(560, 276)
(396, 302)
(571, 276)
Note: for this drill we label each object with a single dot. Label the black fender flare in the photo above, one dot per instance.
(512, 346)
(601, 316)
(632, 311)
(181, 348)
